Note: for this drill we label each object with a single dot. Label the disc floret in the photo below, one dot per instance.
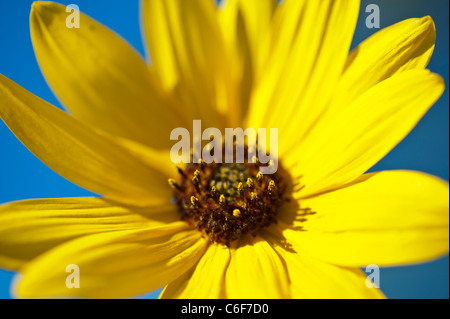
(226, 201)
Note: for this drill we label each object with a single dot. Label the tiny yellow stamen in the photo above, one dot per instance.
(271, 188)
(240, 189)
(250, 182)
(173, 184)
(195, 180)
(222, 200)
(194, 200)
(236, 212)
(259, 177)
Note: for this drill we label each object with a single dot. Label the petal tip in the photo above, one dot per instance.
(425, 20)
(44, 9)
(426, 23)
(40, 6)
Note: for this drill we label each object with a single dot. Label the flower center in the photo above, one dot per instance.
(226, 201)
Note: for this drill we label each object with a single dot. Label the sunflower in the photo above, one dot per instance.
(223, 230)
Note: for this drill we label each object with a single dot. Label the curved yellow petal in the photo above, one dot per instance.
(246, 28)
(31, 227)
(100, 78)
(255, 271)
(188, 55)
(309, 46)
(314, 279)
(386, 218)
(343, 147)
(83, 155)
(206, 280)
(406, 45)
(114, 264)
(256, 18)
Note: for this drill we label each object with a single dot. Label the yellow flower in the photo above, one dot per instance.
(249, 63)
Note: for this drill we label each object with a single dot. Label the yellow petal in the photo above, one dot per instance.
(342, 148)
(246, 27)
(256, 16)
(29, 228)
(100, 78)
(188, 55)
(83, 155)
(255, 271)
(400, 47)
(309, 46)
(313, 279)
(385, 218)
(206, 280)
(114, 264)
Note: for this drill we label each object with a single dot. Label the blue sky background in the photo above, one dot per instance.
(23, 176)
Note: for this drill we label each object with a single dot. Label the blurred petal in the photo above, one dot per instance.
(313, 279)
(100, 78)
(31, 227)
(255, 271)
(250, 20)
(206, 280)
(188, 55)
(114, 264)
(385, 218)
(309, 47)
(84, 156)
(246, 28)
(344, 147)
